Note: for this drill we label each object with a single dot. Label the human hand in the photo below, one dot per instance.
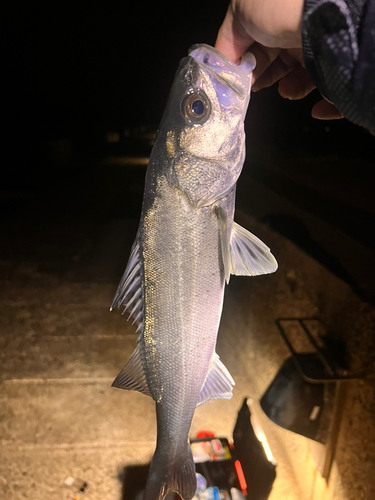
(272, 28)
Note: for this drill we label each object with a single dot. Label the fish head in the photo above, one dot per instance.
(203, 126)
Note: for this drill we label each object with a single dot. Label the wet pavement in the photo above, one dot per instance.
(65, 248)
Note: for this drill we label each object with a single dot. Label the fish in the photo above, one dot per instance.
(186, 247)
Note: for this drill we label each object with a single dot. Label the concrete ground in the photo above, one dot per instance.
(60, 349)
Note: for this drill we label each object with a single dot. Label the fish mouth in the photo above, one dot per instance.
(237, 77)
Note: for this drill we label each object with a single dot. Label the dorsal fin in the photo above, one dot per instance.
(132, 376)
(129, 291)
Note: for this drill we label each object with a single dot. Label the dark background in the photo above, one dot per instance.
(75, 73)
(78, 70)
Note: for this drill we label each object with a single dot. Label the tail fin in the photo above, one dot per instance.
(178, 477)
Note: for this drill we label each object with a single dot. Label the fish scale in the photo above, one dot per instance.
(186, 248)
(189, 292)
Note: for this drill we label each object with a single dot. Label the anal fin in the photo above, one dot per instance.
(218, 384)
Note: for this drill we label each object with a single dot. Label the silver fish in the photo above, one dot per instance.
(186, 247)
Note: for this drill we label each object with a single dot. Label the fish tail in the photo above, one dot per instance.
(178, 477)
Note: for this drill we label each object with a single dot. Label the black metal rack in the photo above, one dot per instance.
(308, 394)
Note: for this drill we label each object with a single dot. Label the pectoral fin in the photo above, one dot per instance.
(224, 242)
(218, 384)
(249, 255)
(132, 376)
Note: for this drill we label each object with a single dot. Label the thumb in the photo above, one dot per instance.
(230, 41)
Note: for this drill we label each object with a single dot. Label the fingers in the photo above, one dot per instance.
(275, 70)
(324, 110)
(296, 85)
(264, 57)
(273, 64)
(230, 41)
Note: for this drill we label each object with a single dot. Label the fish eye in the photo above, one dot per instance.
(196, 107)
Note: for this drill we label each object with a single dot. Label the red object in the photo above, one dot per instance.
(205, 434)
(241, 477)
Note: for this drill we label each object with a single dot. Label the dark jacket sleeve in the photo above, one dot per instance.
(338, 39)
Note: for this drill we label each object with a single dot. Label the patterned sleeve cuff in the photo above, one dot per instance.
(338, 42)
